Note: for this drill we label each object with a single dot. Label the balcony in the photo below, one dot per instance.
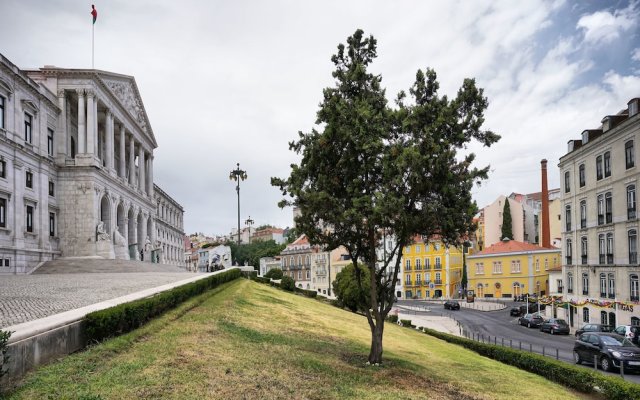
(585, 292)
(568, 227)
(603, 294)
(583, 259)
(583, 224)
(321, 272)
(600, 219)
(633, 257)
(427, 267)
(570, 290)
(609, 218)
(631, 213)
(560, 289)
(609, 258)
(612, 295)
(601, 258)
(438, 281)
(407, 268)
(634, 298)
(569, 260)
(437, 267)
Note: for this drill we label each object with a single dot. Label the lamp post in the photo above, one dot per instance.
(238, 175)
(249, 222)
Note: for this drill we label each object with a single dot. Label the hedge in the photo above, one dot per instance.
(129, 316)
(581, 379)
(261, 279)
(309, 293)
(4, 346)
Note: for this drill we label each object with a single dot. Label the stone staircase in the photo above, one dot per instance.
(82, 266)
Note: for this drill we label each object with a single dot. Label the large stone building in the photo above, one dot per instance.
(76, 168)
(599, 176)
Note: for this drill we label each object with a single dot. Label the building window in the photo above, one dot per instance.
(2, 106)
(585, 315)
(50, 141)
(603, 317)
(52, 224)
(608, 206)
(417, 248)
(408, 295)
(567, 217)
(28, 119)
(438, 278)
(609, 248)
(633, 287)
(629, 156)
(569, 282)
(599, 167)
(3, 213)
(546, 264)
(515, 266)
(633, 247)
(29, 179)
(29, 218)
(3, 169)
(611, 280)
(497, 267)
(407, 265)
(418, 279)
(600, 209)
(583, 214)
(567, 182)
(438, 265)
(537, 264)
(418, 264)
(584, 250)
(568, 252)
(52, 192)
(407, 280)
(427, 263)
(603, 285)
(601, 248)
(607, 164)
(581, 175)
(631, 202)
(585, 283)
(479, 268)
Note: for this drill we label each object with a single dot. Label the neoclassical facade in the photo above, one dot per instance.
(169, 228)
(76, 169)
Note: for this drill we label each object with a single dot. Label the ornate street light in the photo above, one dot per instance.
(249, 222)
(238, 175)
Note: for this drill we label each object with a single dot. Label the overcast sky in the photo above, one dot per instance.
(234, 81)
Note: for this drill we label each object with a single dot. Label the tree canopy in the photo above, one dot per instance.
(369, 170)
(507, 229)
(347, 290)
(253, 252)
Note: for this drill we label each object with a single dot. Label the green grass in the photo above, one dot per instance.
(247, 340)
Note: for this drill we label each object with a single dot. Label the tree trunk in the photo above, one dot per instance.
(375, 355)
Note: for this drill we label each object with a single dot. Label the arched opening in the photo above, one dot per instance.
(517, 290)
(105, 213)
(131, 227)
(122, 222)
(480, 290)
(612, 319)
(140, 233)
(73, 148)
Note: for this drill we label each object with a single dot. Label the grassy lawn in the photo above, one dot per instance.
(247, 340)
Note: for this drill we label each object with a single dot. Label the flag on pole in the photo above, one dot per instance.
(94, 12)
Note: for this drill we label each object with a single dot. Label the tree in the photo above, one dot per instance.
(507, 231)
(253, 252)
(275, 273)
(347, 290)
(371, 171)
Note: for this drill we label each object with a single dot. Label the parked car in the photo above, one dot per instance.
(631, 332)
(611, 351)
(533, 308)
(451, 305)
(555, 325)
(594, 328)
(531, 320)
(515, 312)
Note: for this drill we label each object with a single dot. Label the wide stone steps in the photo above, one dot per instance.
(80, 266)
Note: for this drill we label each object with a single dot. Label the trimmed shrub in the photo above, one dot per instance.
(581, 379)
(405, 322)
(287, 283)
(126, 317)
(309, 293)
(392, 318)
(275, 273)
(4, 358)
(261, 279)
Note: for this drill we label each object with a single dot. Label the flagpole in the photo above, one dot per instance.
(92, 43)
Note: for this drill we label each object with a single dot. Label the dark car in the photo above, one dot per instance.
(451, 305)
(531, 309)
(594, 328)
(531, 320)
(610, 350)
(515, 312)
(555, 325)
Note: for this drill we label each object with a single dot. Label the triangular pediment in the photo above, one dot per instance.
(124, 88)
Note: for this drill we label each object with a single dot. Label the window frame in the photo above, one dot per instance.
(582, 178)
(634, 287)
(631, 201)
(52, 224)
(50, 134)
(52, 188)
(584, 250)
(607, 164)
(632, 245)
(567, 217)
(629, 154)
(608, 208)
(567, 182)
(585, 283)
(29, 214)
(568, 251)
(599, 174)
(3, 105)
(28, 176)
(3, 212)
(601, 212)
(583, 214)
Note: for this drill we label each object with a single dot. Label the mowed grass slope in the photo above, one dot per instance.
(247, 340)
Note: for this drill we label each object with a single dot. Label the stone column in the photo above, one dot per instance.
(132, 162)
(91, 122)
(61, 134)
(82, 126)
(122, 153)
(150, 176)
(141, 177)
(109, 151)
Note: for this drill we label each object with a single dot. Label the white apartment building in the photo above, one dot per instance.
(600, 176)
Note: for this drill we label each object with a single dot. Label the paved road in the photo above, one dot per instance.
(498, 326)
(28, 297)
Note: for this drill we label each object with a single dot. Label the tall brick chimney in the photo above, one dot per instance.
(546, 240)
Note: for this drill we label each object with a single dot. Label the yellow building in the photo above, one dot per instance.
(431, 270)
(511, 268)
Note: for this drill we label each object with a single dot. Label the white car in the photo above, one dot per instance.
(624, 330)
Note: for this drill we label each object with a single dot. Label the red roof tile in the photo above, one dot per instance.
(512, 246)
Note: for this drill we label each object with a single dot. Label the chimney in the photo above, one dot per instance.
(546, 240)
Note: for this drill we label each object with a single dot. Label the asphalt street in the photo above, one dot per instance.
(499, 327)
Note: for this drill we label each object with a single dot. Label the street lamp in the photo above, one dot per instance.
(249, 222)
(238, 175)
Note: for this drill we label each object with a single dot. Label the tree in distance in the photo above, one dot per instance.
(507, 231)
(275, 273)
(369, 171)
(355, 297)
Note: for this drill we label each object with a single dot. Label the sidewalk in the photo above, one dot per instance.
(435, 322)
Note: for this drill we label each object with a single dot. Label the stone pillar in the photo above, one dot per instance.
(150, 176)
(109, 142)
(82, 126)
(132, 162)
(141, 177)
(61, 134)
(91, 123)
(121, 167)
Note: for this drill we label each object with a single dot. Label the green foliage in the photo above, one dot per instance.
(347, 290)
(287, 283)
(4, 346)
(392, 318)
(275, 273)
(252, 253)
(581, 379)
(372, 169)
(126, 317)
(406, 323)
(261, 279)
(292, 235)
(308, 293)
(507, 231)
